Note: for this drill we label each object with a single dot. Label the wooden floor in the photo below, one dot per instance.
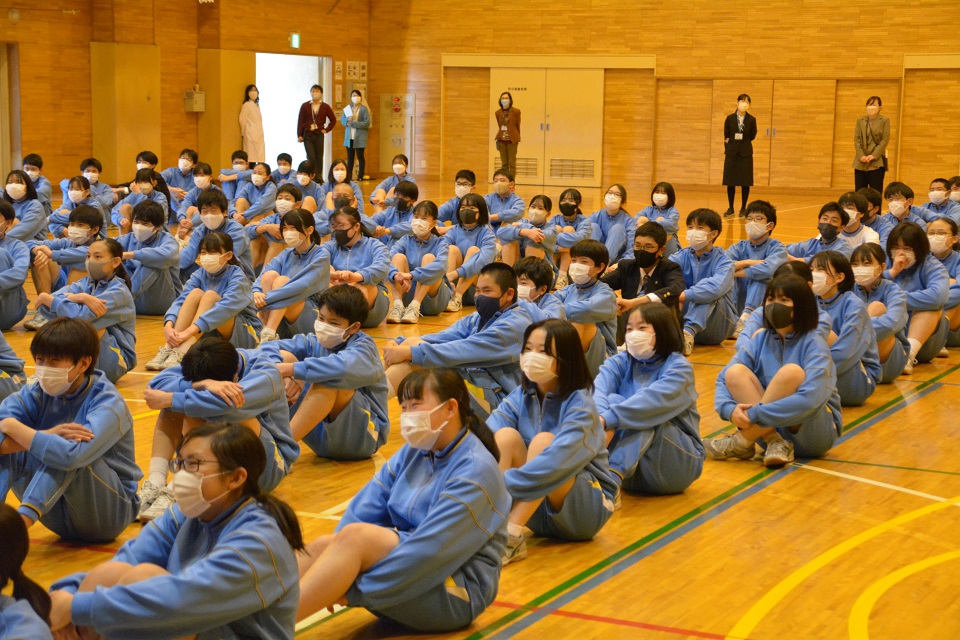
(862, 541)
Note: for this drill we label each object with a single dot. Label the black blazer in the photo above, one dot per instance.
(666, 281)
(739, 147)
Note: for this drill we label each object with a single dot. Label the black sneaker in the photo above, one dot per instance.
(728, 213)
(743, 213)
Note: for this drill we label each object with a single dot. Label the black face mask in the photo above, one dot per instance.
(340, 202)
(342, 236)
(468, 216)
(827, 231)
(568, 209)
(644, 259)
(778, 314)
(402, 205)
(487, 306)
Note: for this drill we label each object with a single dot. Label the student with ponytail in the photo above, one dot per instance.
(436, 567)
(27, 613)
(286, 292)
(103, 299)
(219, 564)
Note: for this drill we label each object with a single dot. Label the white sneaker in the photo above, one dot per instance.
(687, 343)
(35, 322)
(516, 550)
(149, 494)
(163, 502)
(778, 453)
(157, 363)
(726, 447)
(944, 353)
(396, 313)
(411, 314)
(172, 360)
(738, 328)
(908, 368)
(268, 335)
(561, 282)
(456, 303)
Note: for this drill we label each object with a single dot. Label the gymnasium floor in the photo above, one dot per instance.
(854, 544)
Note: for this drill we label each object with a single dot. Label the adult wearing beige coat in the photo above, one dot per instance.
(870, 141)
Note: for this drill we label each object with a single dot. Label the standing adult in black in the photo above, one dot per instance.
(316, 119)
(739, 131)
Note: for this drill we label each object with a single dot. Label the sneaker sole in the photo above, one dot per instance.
(776, 463)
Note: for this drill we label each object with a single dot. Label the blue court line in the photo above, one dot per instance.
(640, 554)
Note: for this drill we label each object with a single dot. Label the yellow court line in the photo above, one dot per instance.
(145, 414)
(774, 596)
(860, 614)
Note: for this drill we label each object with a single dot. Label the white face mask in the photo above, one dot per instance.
(537, 216)
(865, 275)
(283, 206)
(612, 201)
(908, 254)
(897, 207)
(539, 367)
(76, 197)
(146, 188)
(640, 344)
(77, 235)
(212, 220)
(579, 273)
(54, 380)
(938, 244)
(698, 238)
(257, 180)
(755, 230)
(210, 263)
(399, 168)
(743, 105)
(660, 199)
(854, 218)
(184, 165)
(462, 190)
(142, 165)
(188, 490)
(954, 195)
(420, 226)
(93, 177)
(820, 285)
(201, 182)
(504, 103)
(33, 173)
(416, 430)
(142, 232)
(355, 99)
(239, 166)
(525, 292)
(292, 237)
(937, 197)
(873, 110)
(329, 335)
(303, 179)
(339, 174)
(16, 191)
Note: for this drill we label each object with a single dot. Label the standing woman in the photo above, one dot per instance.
(251, 124)
(870, 141)
(356, 123)
(508, 132)
(739, 131)
(316, 120)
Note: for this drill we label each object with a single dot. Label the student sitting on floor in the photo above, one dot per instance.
(472, 245)
(26, 614)
(66, 440)
(755, 259)
(147, 188)
(647, 402)
(152, 258)
(337, 174)
(945, 247)
(188, 214)
(418, 269)
(14, 266)
(359, 260)
(780, 389)
(266, 240)
(533, 236)
(91, 169)
(463, 183)
(854, 232)
(384, 195)
(572, 227)
(334, 380)
(78, 193)
(939, 204)
(313, 198)
(213, 214)
(663, 211)
(887, 306)
(393, 222)
(880, 224)
(613, 226)
(33, 167)
(232, 179)
(256, 198)
(216, 381)
(534, 281)
(221, 564)
(31, 218)
(429, 560)
(551, 443)
(900, 203)
(832, 218)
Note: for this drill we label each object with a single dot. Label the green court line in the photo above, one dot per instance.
(890, 466)
(322, 620)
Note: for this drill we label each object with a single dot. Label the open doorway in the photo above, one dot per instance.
(284, 82)
(10, 151)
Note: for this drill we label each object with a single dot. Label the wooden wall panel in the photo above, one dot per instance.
(801, 151)
(725, 94)
(851, 104)
(683, 130)
(465, 131)
(930, 147)
(175, 32)
(628, 115)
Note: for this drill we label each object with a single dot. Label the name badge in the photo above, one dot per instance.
(313, 127)
(503, 128)
(738, 136)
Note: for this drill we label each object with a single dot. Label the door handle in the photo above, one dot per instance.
(774, 132)
(548, 126)
(541, 126)
(768, 131)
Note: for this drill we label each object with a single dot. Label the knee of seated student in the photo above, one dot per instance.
(340, 402)
(876, 309)
(211, 295)
(107, 574)
(400, 262)
(316, 547)
(279, 281)
(509, 439)
(194, 295)
(540, 442)
(267, 278)
(242, 205)
(568, 229)
(472, 250)
(535, 252)
(736, 373)
(141, 572)
(792, 374)
(427, 259)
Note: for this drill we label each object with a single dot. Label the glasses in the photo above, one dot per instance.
(614, 192)
(188, 464)
(341, 228)
(463, 184)
(649, 248)
(939, 234)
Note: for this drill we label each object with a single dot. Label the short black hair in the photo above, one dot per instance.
(407, 189)
(400, 157)
(466, 174)
(911, 235)
(291, 189)
(213, 198)
(834, 207)
(743, 96)
(563, 343)
(34, 160)
(7, 210)
(874, 100)
(665, 325)
(69, 339)
(78, 181)
(652, 230)
(307, 167)
(796, 267)
(873, 196)
(91, 162)
(593, 249)
(202, 169)
(190, 153)
(573, 193)
(347, 302)
(506, 173)
(239, 154)
(806, 312)
(503, 275)
(544, 200)
(955, 181)
(150, 212)
(860, 203)
(316, 86)
(944, 181)
(285, 156)
(869, 252)
(667, 188)
(145, 175)
(212, 357)
(838, 263)
(85, 214)
(762, 206)
(475, 200)
(898, 189)
(148, 157)
(25, 180)
(538, 270)
(706, 217)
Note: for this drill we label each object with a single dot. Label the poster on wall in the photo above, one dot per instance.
(353, 69)
(338, 70)
(361, 87)
(338, 95)
(363, 71)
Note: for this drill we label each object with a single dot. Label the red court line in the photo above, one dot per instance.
(68, 545)
(616, 621)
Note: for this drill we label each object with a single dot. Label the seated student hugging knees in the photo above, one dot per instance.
(533, 236)
(256, 198)
(286, 291)
(755, 259)
(334, 380)
(213, 214)
(472, 245)
(337, 175)
(613, 226)
(152, 258)
(418, 269)
(312, 194)
(230, 179)
(663, 211)
(31, 219)
(887, 306)
(179, 179)
(943, 236)
(221, 564)
(384, 194)
(147, 188)
(534, 281)
(551, 443)
(464, 182)
(14, 265)
(188, 215)
(78, 193)
(266, 239)
(360, 261)
(393, 222)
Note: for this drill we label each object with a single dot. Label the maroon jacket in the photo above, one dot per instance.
(323, 117)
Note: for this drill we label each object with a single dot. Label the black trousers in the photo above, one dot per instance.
(313, 145)
(361, 160)
(872, 179)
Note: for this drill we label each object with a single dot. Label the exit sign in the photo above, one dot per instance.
(294, 40)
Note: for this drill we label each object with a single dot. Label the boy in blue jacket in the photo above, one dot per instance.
(213, 214)
(334, 380)
(503, 205)
(901, 208)
(534, 281)
(464, 182)
(873, 219)
(231, 179)
(180, 178)
(151, 257)
(393, 223)
(33, 167)
(755, 259)
(831, 220)
(939, 204)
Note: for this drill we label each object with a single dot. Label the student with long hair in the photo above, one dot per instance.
(472, 245)
(31, 218)
(26, 612)
(887, 306)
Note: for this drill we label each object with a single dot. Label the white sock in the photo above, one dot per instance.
(914, 347)
(773, 437)
(515, 530)
(158, 471)
(458, 296)
(398, 303)
(415, 304)
(743, 442)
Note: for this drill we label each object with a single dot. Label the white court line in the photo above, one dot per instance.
(318, 516)
(920, 494)
(317, 617)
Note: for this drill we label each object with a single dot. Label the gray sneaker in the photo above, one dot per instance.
(173, 359)
(268, 335)
(726, 447)
(738, 328)
(561, 282)
(687, 343)
(157, 363)
(411, 315)
(161, 503)
(148, 494)
(778, 453)
(35, 322)
(456, 303)
(516, 550)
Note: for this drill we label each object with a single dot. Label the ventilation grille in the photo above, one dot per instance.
(564, 168)
(526, 167)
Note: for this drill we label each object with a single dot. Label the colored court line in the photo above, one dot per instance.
(145, 414)
(76, 547)
(860, 614)
(875, 483)
(890, 466)
(317, 619)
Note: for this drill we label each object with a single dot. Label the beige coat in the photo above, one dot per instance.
(871, 142)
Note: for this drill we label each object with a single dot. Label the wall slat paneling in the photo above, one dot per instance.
(931, 127)
(801, 151)
(628, 112)
(683, 131)
(465, 127)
